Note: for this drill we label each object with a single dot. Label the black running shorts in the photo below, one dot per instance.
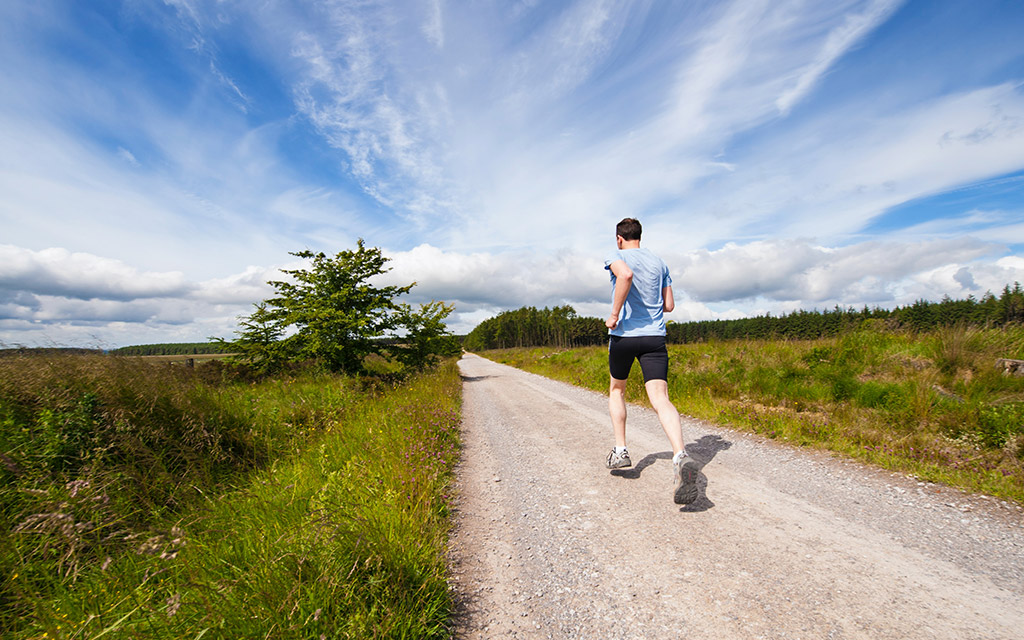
(649, 350)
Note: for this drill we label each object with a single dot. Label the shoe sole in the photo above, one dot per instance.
(686, 490)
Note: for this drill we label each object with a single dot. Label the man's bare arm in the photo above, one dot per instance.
(623, 281)
(670, 301)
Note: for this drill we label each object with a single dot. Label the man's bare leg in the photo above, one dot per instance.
(657, 392)
(617, 410)
(684, 468)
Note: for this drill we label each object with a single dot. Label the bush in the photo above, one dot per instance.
(998, 424)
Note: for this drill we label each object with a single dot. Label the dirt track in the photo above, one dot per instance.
(781, 543)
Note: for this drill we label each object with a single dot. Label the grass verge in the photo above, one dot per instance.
(325, 515)
(930, 405)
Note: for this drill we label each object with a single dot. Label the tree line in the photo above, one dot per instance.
(169, 349)
(529, 326)
(562, 327)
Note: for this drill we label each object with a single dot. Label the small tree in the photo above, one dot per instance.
(258, 341)
(331, 314)
(427, 338)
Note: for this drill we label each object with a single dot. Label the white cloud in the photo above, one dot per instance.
(762, 276)
(433, 27)
(990, 225)
(56, 296)
(810, 274)
(82, 276)
(113, 303)
(509, 280)
(853, 28)
(127, 156)
(248, 287)
(558, 176)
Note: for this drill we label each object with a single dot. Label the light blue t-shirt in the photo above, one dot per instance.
(643, 313)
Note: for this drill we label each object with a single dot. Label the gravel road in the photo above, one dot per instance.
(781, 543)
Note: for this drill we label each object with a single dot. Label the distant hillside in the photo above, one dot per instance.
(15, 351)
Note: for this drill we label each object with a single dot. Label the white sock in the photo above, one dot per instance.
(620, 450)
(679, 456)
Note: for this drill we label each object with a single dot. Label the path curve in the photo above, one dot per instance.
(781, 543)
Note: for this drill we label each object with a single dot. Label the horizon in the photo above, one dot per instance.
(1016, 286)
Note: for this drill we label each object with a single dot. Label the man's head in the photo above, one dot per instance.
(628, 229)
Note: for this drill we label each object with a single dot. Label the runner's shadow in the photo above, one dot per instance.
(633, 473)
(706, 448)
(474, 378)
(703, 451)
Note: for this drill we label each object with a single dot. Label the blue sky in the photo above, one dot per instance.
(161, 159)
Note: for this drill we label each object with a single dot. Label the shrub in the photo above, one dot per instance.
(1000, 423)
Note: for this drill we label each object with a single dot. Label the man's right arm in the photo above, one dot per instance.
(623, 281)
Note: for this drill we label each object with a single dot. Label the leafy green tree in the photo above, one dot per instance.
(331, 313)
(426, 338)
(259, 339)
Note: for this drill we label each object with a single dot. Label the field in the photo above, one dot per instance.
(141, 500)
(932, 405)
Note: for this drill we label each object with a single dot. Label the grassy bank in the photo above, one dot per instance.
(931, 405)
(147, 501)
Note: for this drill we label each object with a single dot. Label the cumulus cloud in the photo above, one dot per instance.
(247, 287)
(799, 270)
(61, 293)
(508, 280)
(55, 292)
(59, 272)
(776, 276)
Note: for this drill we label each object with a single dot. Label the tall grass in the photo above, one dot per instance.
(933, 405)
(142, 502)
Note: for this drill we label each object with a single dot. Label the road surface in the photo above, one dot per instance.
(781, 543)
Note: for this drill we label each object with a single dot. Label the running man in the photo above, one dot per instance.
(641, 295)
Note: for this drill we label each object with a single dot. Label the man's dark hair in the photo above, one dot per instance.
(629, 229)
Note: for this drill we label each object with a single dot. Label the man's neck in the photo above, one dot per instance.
(629, 244)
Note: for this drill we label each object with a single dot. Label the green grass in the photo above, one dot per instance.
(300, 507)
(932, 405)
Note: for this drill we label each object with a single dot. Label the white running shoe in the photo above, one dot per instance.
(685, 470)
(618, 460)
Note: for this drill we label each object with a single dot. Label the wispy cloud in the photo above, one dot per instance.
(851, 30)
(433, 25)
